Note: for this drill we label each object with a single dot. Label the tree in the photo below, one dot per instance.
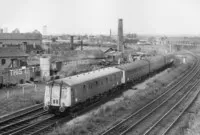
(53, 39)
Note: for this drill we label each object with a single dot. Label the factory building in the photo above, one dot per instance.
(12, 58)
(20, 38)
(1, 30)
(25, 41)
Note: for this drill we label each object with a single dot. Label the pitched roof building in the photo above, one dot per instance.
(20, 38)
(12, 58)
(12, 52)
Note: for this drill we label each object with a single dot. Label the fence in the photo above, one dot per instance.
(22, 90)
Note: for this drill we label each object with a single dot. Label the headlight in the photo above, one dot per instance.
(62, 109)
(46, 108)
(48, 103)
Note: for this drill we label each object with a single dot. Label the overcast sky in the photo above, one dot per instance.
(99, 16)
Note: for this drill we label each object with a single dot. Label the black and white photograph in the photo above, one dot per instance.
(99, 67)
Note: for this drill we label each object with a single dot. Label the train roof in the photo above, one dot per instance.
(135, 64)
(84, 77)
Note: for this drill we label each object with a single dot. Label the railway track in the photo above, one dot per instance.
(139, 121)
(15, 119)
(165, 123)
(45, 124)
(33, 128)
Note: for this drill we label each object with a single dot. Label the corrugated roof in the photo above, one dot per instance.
(20, 36)
(156, 58)
(78, 79)
(133, 65)
(30, 48)
(78, 55)
(114, 53)
(12, 52)
(182, 39)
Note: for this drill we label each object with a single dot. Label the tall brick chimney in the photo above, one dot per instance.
(71, 42)
(81, 45)
(120, 45)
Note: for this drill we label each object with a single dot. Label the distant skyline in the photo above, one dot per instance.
(169, 17)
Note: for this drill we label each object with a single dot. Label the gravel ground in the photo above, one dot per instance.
(18, 99)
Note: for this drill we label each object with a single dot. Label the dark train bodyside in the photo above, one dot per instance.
(140, 68)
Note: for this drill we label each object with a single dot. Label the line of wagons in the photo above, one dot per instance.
(62, 94)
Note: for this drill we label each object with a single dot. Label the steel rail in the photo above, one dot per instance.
(7, 129)
(117, 126)
(163, 116)
(150, 129)
(18, 115)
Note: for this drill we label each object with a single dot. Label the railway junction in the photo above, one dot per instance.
(164, 110)
(85, 91)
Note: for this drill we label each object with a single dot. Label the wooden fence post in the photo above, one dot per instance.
(7, 94)
(23, 90)
(35, 87)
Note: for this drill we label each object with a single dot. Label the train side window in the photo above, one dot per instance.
(84, 89)
(96, 83)
(106, 79)
(3, 61)
(90, 86)
(113, 78)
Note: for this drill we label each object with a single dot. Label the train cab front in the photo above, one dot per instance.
(57, 97)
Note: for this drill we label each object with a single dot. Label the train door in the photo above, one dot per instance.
(47, 95)
(66, 96)
(1, 81)
(55, 95)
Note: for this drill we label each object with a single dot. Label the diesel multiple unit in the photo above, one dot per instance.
(65, 93)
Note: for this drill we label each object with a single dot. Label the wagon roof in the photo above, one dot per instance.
(78, 79)
(135, 64)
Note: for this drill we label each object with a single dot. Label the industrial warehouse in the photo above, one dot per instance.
(99, 67)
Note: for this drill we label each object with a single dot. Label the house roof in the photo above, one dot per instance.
(30, 48)
(12, 52)
(133, 65)
(182, 39)
(20, 36)
(78, 55)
